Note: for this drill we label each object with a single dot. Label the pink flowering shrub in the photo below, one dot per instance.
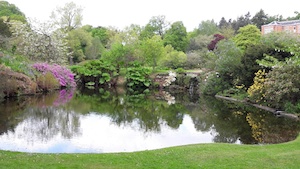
(64, 76)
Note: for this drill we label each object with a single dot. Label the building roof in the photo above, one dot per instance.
(292, 22)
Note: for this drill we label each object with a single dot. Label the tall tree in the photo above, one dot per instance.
(259, 19)
(223, 23)
(208, 27)
(176, 36)
(131, 34)
(156, 26)
(68, 17)
(101, 33)
(153, 50)
(79, 41)
(241, 21)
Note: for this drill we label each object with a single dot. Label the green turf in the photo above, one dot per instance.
(215, 155)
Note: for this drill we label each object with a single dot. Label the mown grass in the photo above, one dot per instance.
(215, 155)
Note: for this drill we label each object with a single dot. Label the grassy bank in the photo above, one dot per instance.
(284, 155)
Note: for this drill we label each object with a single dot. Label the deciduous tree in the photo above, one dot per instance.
(156, 26)
(247, 36)
(68, 17)
(208, 27)
(176, 36)
(153, 50)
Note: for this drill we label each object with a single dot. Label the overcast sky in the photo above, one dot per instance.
(121, 13)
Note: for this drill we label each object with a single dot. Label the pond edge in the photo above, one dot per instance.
(277, 113)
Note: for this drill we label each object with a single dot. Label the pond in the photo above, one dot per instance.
(106, 121)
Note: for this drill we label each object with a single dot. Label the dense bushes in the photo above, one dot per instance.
(137, 76)
(99, 72)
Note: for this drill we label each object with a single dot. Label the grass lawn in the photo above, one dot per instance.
(214, 155)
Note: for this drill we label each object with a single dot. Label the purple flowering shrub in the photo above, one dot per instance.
(64, 97)
(64, 76)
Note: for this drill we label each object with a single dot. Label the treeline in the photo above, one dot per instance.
(237, 59)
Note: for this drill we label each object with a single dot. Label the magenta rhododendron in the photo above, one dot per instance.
(62, 74)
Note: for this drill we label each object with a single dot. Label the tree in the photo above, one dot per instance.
(101, 33)
(228, 32)
(223, 23)
(39, 42)
(213, 43)
(68, 17)
(11, 12)
(131, 34)
(208, 27)
(259, 19)
(79, 41)
(241, 22)
(118, 54)
(199, 42)
(247, 36)
(174, 59)
(176, 36)
(152, 50)
(156, 26)
(229, 59)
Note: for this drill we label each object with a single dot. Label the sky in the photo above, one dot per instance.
(122, 13)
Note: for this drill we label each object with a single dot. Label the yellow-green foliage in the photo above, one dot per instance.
(256, 91)
(47, 82)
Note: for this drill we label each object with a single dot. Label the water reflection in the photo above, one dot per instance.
(117, 121)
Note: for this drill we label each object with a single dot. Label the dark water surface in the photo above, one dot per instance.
(116, 121)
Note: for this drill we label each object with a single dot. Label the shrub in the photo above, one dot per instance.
(96, 71)
(64, 76)
(213, 84)
(257, 90)
(282, 85)
(47, 82)
(138, 76)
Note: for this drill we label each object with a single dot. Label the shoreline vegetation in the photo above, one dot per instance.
(269, 109)
(216, 155)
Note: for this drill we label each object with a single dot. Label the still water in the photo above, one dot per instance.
(105, 121)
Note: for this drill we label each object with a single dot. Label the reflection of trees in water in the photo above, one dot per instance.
(46, 123)
(141, 108)
(228, 122)
(212, 114)
(268, 129)
(38, 118)
(11, 111)
(250, 125)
